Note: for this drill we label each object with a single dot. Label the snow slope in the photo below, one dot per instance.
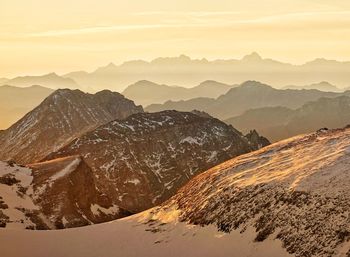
(134, 237)
(291, 198)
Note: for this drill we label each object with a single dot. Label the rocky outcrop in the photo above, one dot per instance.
(60, 118)
(142, 161)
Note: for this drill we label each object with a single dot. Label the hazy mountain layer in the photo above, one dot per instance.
(249, 95)
(15, 102)
(322, 86)
(146, 92)
(183, 70)
(51, 80)
(278, 123)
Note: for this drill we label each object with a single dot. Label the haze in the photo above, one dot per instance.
(37, 37)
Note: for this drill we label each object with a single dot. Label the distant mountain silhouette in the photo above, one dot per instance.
(15, 102)
(3, 81)
(249, 95)
(278, 123)
(51, 80)
(322, 86)
(145, 92)
(185, 71)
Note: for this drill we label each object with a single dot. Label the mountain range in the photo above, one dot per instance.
(278, 123)
(51, 80)
(249, 95)
(97, 157)
(183, 70)
(282, 200)
(322, 86)
(146, 92)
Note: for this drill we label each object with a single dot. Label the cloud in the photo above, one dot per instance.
(209, 20)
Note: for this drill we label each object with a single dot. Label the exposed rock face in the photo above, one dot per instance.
(120, 168)
(61, 117)
(52, 195)
(296, 191)
(141, 161)
(256, 140)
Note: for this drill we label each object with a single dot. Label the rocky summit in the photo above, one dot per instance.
(60, 118)
(120, 168)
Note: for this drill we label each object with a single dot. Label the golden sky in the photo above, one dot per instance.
(39, 36)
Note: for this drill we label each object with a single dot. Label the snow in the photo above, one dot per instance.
(15, 200)
(67, 170)
(134, 237)
(97, 209)
(134, 181)
(191, 140)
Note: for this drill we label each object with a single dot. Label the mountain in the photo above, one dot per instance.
(183, 70)
(282, 200)
(52, 195)
(322, 86)
(249, 95)
(51, 80)
(120, 168)
(146, 92)
(144, 159)
(15, 102)
(278, 123)
(3, 81)
(61, 117)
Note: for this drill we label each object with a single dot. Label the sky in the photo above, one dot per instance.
(38, 37)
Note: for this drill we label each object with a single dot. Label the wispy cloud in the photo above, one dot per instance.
(203, 20)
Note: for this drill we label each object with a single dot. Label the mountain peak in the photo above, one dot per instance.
(254, 56)
(111, 65)
(63, 115)
(253, 83)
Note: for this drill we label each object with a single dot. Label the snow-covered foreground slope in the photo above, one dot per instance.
(134, 237)
(297, 191)
(288, 199)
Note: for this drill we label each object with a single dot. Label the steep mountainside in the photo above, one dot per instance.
(249, 95)
(51, 80)
(185, 71)
(278, 123)
(52, 195)
(296, 191)
(15, 102)
(146, 92)
(62, 116)
(143, 160)
(120, 168)
(288, 199)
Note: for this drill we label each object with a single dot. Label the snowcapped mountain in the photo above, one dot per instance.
(123, 167)
(142, 160)
(61, 117)
(295, 191)
(287, 199)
